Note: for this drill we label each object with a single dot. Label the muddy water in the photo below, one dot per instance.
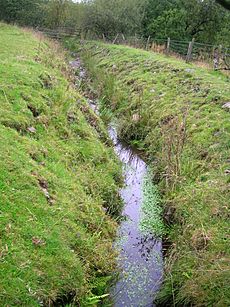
(140, 256)
(139, 261)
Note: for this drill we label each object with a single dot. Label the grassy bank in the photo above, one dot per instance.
(57, 180)
(175, 113)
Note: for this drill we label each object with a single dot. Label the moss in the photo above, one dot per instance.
(55, 174)
(178, 119)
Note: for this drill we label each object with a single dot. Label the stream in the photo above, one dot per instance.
(140, 256)
(140, 259)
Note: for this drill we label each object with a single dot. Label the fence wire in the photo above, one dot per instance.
(215, 56)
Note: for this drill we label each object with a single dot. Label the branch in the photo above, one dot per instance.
(224, 3)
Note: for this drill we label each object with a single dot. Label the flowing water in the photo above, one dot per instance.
(140, 260)
(140, 256)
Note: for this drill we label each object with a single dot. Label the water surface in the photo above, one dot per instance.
(140, 255)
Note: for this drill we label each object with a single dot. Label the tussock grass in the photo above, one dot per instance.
(174, 112)
(57, 179)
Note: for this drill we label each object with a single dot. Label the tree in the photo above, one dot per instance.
(74, 15)
(224, 3)
(171, 23)
(114, 16)
(24, 12)
(203, 19)
(183, 20)
(56, 12)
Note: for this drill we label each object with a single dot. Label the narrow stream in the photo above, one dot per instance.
(140, 256)
(140, 259)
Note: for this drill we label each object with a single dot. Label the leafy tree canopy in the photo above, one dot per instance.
(205, 20)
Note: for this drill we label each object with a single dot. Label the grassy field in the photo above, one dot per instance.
(175, 113)
(58, 178)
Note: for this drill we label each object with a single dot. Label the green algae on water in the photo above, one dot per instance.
(151, 209)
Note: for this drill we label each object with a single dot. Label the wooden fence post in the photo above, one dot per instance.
(147, 44)
(220, 54)
(216, 57)
(82, 35)
(153, 47)
(135, 40)
(189, 53)
(103, 36)
(115, 39)
(168, 45)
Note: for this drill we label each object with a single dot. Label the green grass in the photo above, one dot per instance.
(57, 176)
(173, 111)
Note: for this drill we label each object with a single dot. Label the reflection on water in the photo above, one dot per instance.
(140, 255)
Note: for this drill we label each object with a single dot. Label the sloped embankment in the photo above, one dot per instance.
(179, 115)
(57, 180)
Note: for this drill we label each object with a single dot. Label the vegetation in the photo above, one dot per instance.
(56, 233)
(151, 209)
(206, 20)
(177, 114)
(224, 3)
(183, 20)
(59, 177)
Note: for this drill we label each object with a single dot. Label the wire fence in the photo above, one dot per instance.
(60, 33)
(217, 57)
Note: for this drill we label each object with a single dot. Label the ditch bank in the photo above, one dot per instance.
(59, 176)
(178, 115)
(139, 271)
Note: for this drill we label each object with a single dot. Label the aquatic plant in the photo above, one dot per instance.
(151, 209)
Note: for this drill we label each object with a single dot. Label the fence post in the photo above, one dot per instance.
(115, 39)
(189, 53)
(103, 36)
(168, 45)
(147, 44)
(216, 57)
(153, 47)
(135, 40)
(219, 53)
